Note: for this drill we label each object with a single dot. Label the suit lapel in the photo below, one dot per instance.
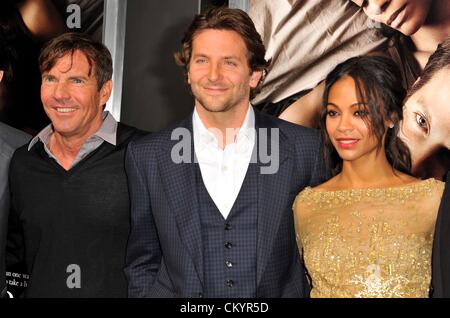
(180, 188)
(273, 191)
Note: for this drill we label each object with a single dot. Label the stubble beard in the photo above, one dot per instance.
(215, 106)
(218, 105)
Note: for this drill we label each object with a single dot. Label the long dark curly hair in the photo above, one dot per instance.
(379, 85)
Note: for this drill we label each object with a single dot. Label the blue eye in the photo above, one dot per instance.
(49, 79)
(422, 122)
(231, 63)
(77, 81)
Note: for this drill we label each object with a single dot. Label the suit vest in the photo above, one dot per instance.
(229, 246)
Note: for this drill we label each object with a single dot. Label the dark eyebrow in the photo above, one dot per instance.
(358, 104)
(230, 57)
(81, 77)
(352, 105)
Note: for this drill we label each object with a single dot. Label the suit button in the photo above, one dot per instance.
(229, 264)
(228, 245)
(200, 295)
(230, 283)
(227, 227)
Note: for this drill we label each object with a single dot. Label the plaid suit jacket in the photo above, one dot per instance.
(165, 252)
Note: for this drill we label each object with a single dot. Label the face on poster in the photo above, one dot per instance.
(307, 39)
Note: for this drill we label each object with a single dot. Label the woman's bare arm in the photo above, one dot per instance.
(307, 109)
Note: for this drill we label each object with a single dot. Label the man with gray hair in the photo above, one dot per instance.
(69, 218)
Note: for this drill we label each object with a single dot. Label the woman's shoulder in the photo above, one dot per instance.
(430, 185)
(302, 195)
(327, 186)
(311, 194)
(409, 186)
(436, 186)
(429, 193)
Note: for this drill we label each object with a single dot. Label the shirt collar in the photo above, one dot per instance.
(107, 132)
(43, 135)
(247, 131)
(204, 138)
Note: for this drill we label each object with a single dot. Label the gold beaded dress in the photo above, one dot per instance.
(371, 243)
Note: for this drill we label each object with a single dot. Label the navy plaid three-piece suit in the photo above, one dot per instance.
(180, 245)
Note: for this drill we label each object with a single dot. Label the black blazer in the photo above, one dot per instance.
(441, 248)
(165, 252)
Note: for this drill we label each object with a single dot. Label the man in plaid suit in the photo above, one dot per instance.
(212, 196)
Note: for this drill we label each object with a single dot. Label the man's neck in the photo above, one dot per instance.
(224, 125)
(66, 148)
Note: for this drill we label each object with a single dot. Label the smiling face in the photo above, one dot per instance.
(71, 97)
(426, 119)
(406, 16)
(219, 73)
(347, 122)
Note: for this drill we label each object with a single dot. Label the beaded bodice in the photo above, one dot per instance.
(368, 242)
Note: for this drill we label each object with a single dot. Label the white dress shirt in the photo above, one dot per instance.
(223, 171)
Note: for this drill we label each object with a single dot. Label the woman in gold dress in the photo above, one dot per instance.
(368, 231)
